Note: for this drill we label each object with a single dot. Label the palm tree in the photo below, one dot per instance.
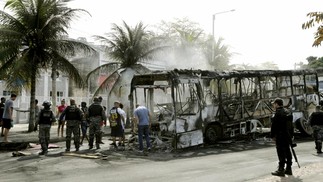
(222, 53)
(315, 18)
(128, 47)
(33, 38)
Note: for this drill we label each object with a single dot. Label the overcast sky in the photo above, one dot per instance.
(258, 30)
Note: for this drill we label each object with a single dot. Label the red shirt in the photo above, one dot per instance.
(61, 108)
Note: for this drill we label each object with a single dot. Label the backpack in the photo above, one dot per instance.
(72, 113)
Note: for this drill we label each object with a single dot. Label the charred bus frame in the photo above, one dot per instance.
(197, 106)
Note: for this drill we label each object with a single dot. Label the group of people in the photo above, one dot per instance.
(90, 118)
(282, 132)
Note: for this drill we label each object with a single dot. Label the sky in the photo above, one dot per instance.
(257, 31)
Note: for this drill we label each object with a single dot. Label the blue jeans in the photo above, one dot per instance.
(143, 130)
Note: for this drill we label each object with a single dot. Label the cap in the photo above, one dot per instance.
(117, 101)
(278, 101)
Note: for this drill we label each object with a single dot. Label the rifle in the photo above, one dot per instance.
(294, 153)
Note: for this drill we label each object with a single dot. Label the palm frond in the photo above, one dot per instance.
(111, 67)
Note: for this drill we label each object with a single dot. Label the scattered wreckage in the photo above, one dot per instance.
(193, 107)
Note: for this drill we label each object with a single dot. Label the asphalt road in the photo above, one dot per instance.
(226, 162)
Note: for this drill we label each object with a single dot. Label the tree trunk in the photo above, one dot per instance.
(54, 95)
(32, 103)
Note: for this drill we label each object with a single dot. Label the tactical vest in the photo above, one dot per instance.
(45, 117)
(72, 113)
(95, 110)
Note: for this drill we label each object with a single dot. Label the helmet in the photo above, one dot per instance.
(47, 103)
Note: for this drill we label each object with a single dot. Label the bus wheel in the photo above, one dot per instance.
(303, 127)
(213, 133)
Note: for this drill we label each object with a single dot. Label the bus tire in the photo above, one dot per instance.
(303, 127)
(213, 133)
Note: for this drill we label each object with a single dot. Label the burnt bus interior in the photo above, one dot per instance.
(197, 106)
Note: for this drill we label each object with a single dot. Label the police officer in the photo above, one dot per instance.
(281, 133)
(73, 117)
(45, 119)
(316, 122)
(95, 115)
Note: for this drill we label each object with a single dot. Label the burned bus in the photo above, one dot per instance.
(201, 106)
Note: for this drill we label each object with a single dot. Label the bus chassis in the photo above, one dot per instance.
(202, 106)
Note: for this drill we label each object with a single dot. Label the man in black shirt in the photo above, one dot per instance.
(95, 115)
(73, 117)
(282, 133)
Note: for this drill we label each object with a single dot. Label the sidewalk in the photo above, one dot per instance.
(19, 133)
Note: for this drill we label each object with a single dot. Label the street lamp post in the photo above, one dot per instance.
(213, 19)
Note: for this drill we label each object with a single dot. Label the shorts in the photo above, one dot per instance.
(117, 131)
(6, 123)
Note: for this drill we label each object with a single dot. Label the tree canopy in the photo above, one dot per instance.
(315, 19)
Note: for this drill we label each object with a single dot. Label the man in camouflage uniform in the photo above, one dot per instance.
(95, 115)
(316, 122)
(45, 119)
(73, 118)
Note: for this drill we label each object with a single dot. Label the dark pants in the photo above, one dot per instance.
(44, 135)
(143, 130)
(95, 131)
(283, 152)
(318, 136)
(72, 127)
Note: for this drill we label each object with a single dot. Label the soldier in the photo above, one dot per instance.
(73, 117)
(95, 115)
(282, 133)
(316, 122)
(45, 119)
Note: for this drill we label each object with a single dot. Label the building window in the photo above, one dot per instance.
(6, 93)
(58, 94)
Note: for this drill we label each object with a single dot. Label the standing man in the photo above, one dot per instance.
(61, 123)
(142, 119)
(95, 115)
(7, 116)
(45, 119)
(3, 100)
(73, 117)
(123, 123)
(316, 122)
(116, 120)
(282, 133)
(84, 124)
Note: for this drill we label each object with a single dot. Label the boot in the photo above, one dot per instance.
(91, 143)
(100, 138)
(288, 170)
(68, 145)
(280, 172)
